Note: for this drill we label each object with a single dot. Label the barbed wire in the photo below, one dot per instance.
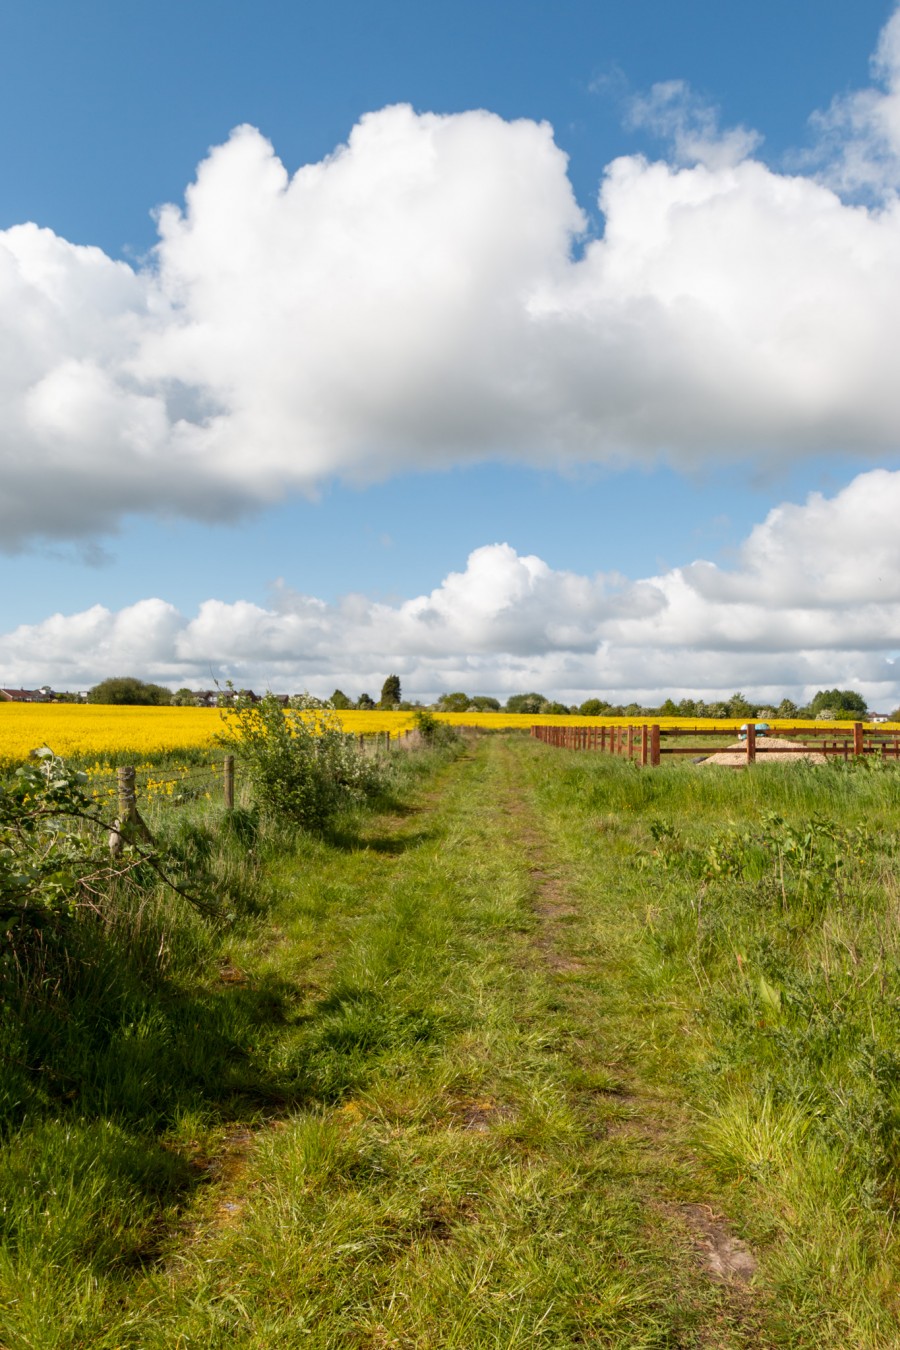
(211, 771)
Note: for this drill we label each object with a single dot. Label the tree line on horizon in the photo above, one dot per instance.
(831, 704)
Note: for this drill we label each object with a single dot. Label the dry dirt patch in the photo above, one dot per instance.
(723, 1256)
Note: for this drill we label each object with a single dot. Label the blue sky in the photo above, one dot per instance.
(109, 110)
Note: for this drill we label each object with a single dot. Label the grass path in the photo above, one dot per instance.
(485, 1149)
(585, 940)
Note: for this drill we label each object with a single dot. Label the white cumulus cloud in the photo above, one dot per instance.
(860, 132)
(416, 299)
(672, 110)
(812, 601)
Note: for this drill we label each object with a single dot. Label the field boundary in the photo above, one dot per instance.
(644, 742)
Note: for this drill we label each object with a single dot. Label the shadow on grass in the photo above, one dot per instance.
(99, 1072)
(127, 1044)
(347, 839)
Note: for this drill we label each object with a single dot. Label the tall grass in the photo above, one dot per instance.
(764, 947)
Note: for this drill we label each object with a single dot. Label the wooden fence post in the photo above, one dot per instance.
(654, 746)
(228, 782)
(630, 742)
(751, 743)
(126, 791)
(859, 743)
(129, 825)
(645, 746)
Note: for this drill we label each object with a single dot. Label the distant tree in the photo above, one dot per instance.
(830, 702)
(593, 707)
(390, 692)
(365, 703)
(555, 709)
(127, 689)
(339, 700)
(787, 708)
(458, 702)
(184, 698)
(739, 707)
(481, 703)
(668, 709)
(525, 703)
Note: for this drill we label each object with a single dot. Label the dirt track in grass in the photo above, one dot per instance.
(618, 1139)
(643, 1121)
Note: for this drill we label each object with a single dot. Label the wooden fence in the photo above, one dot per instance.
(645, 742)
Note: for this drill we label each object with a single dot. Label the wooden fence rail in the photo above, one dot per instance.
(644, 741)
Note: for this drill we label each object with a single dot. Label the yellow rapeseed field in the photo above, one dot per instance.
(98, 729)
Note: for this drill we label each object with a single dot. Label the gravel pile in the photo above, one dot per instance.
(735, 756)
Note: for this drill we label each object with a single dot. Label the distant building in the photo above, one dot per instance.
(222, 698)
(44, 695)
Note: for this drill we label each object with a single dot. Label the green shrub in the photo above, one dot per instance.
(301, 764)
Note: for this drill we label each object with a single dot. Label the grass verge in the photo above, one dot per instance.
(483, 1070)
(751, 919)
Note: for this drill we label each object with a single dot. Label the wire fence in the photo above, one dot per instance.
(207, 780)
(213, 781)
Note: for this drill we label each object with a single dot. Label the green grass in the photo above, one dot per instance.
(459, 1072)
(759, 931)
